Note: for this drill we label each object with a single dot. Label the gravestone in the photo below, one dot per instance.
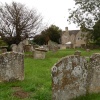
(39, 53)
(69, 78)
(73, 76)
(62, 46)
(28, 48)
(94, 73)
(25, 42)
(11, 66)
(3, 50)
(53, 46)
(20, 47)
(14, 47)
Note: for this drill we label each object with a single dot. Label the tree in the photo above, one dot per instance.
(52, 33)
(96, 32)
(86, 13)
(17, 22)
(39, 39)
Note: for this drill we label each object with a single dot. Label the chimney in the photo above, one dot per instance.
(66, 29)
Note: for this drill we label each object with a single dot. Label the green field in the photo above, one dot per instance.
(37, 82)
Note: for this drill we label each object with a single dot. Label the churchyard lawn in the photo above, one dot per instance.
(37, 82)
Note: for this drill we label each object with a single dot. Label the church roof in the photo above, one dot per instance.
(73, 32)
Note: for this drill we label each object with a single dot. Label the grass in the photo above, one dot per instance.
(37, 80)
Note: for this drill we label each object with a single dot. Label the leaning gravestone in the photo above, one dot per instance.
(69, 78)
(11, 66)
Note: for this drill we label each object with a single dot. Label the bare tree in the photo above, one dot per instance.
(17, 22)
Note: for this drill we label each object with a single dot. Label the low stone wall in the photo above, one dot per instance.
(11, 66)
(74, 76)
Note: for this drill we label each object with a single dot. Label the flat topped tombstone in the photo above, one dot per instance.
(39, 53)
(11, 66)
(69, 78)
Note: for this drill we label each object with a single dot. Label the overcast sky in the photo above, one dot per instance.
(53, 11)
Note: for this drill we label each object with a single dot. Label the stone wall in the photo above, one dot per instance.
(74, 76)
(11, 66)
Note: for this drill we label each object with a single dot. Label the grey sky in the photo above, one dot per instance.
(53, 11)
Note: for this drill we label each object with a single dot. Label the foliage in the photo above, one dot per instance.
(86, 13)
(17, 22)
(96, 33)
(52, 33)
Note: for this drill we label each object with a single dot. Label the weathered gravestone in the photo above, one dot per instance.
(73, 76)
(3, 50)
(94, 74)
(39, 53)
(11, 66)
(28, 48)
(69, 78)
(53, 46)
(14, 47)
(20, 47)
(25, 42)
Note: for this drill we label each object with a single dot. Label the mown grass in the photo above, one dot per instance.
(37, 80)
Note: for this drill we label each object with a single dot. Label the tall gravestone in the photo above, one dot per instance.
(53, 46)
(69, 77)
(20, 47)
(25, 42)
(94, 73)
(73, 76)
(11, 66)
(14, 47)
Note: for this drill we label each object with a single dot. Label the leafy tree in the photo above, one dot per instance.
(96, 32)
(52, 33)
(86, 13)
(17, 22)
(39, 39)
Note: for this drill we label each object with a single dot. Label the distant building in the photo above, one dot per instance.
(74, 38)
